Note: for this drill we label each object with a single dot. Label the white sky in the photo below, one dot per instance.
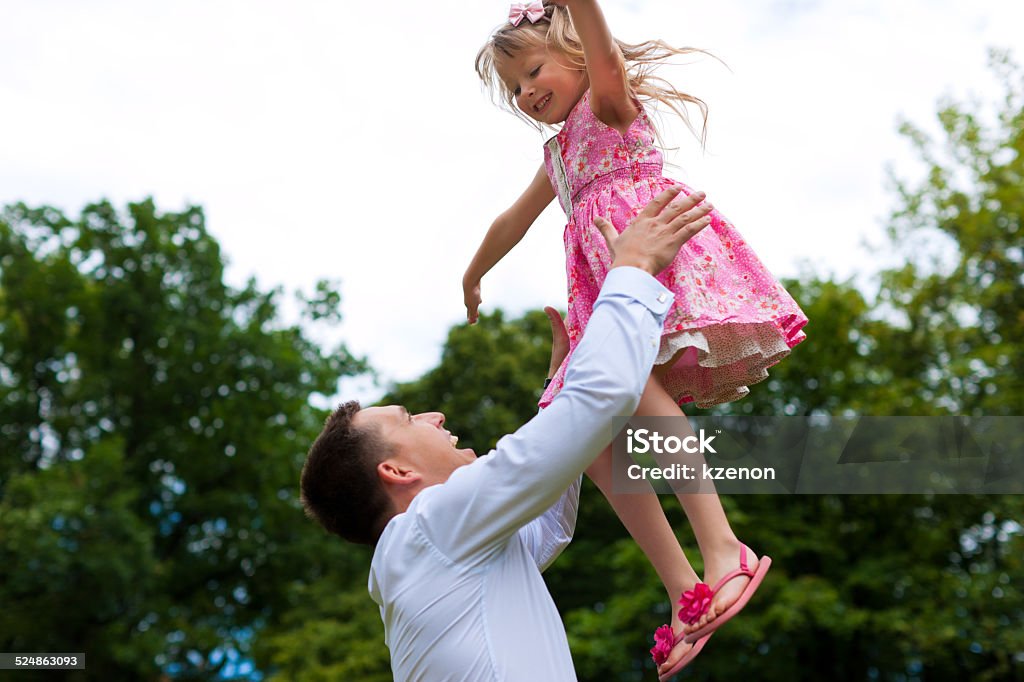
(352, 141)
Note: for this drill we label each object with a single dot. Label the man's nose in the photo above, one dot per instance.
(435, 418)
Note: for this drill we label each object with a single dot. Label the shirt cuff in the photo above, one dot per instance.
(637, 284)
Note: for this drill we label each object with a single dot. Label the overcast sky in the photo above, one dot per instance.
(344, 140)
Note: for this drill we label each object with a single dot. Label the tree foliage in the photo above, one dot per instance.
(964, 322)
(942, 334)
(153, 423)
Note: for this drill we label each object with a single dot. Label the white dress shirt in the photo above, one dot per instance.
(458, 574)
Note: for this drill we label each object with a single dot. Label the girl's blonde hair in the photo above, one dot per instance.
(557, 32)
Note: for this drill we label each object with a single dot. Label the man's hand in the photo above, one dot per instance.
(654, 237)
(559, 340)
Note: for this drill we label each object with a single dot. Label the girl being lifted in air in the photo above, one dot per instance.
(556, 63)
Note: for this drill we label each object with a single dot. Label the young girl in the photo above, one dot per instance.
(557, 63)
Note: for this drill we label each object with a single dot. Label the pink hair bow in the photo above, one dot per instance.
(533, 11)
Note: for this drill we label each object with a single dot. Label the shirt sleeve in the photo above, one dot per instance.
(547, 535)
(473, 514)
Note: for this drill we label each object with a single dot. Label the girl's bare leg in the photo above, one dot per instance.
(644, 518)
(718, 544)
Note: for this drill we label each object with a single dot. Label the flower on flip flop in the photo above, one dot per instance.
(695, 603)
(663, 641)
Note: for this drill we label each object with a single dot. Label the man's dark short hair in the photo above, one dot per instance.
(339, 483)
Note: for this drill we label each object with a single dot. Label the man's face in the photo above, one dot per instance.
(420, 441)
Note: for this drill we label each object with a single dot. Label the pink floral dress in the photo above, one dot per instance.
(731, 318)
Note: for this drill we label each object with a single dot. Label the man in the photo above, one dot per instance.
(461, 541)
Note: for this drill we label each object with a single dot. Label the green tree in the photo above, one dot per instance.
(962, 323)
(942, 336)
(331, 631)
(153, 421)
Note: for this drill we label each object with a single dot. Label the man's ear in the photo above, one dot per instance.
(392, 472)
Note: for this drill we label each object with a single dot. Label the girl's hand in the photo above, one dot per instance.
(471, 297)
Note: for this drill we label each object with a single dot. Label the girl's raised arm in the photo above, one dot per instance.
(506, 231)
(610, 98)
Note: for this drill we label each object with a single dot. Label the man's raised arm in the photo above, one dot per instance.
(483, 504)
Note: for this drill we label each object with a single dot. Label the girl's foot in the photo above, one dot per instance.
(668, 670)
(680, 649)
(703, 605)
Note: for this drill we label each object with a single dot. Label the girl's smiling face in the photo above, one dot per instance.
(546, 86)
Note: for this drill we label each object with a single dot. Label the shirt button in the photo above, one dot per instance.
(662, 297)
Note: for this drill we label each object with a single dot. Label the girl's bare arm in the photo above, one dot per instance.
(505, 232)
(610, 99)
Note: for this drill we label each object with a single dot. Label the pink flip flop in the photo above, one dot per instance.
(665, 640)
(697, 601)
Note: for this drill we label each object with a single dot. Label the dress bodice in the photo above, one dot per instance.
(587, 154)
